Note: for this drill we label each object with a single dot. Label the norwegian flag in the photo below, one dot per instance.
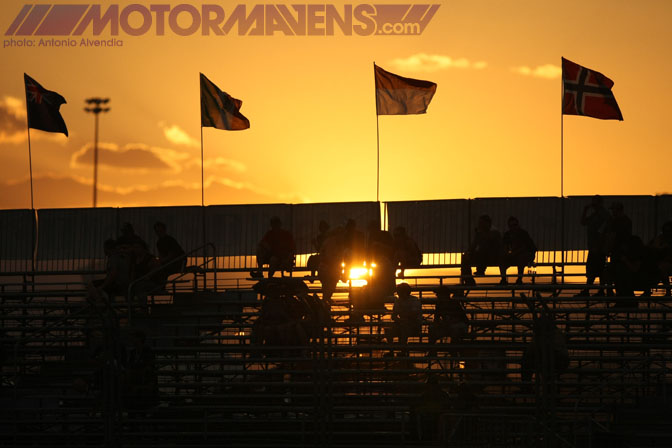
(588, 93)
(43, 107)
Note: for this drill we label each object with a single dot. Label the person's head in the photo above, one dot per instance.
(512, 222)
(616, 208)
(596, 201)
(127, 229)
(323, 226)
(276, 223)
(484, 223)
(403, 290)
(160, 228)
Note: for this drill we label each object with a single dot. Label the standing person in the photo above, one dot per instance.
(407, 254)
(168, 249)
(594, 218)
(519, 250)
(276, 249)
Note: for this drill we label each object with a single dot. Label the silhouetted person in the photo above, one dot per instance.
(332, 253)
(140, 378)
(632, 268)
(595, 217)
(661, 247)
(129, 237)
(485, 250)
(276, 249)
(617, 233)
(547, 354)
(407, 254)
(168, 249)
(427, 411)
(518, 250)
(450, 319)
(118, 272)
(406, 315)
(379, 243)
(313, 262)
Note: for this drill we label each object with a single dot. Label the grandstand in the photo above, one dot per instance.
(217, 384)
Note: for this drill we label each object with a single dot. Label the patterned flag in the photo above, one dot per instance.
(588, 93)
(396, 95)
(42, 107)
(219, 109)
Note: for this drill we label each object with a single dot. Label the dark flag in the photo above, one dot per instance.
(588, 93)
(219, 109)
(396, 95)
(42, 107)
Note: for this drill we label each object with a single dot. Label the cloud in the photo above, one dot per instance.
(13, 124)
(58, 191)
(423, 62)
(12, 120)
(547, 71)
(132, 157)
(218, 162)
(178, 136)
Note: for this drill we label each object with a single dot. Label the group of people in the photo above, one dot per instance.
(490, 248)
(619, 258)
(337, 249)
(128, 260)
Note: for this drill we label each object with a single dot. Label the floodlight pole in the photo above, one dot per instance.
(96, 110)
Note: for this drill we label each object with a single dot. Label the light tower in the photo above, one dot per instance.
(96, 109)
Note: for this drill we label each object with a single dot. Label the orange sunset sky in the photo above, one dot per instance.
(492, 129)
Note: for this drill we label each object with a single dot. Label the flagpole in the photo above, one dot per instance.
(202, 178)
(562, 174)
(30, 165)
(377, 137)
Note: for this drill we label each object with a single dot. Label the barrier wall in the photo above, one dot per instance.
(72, 239)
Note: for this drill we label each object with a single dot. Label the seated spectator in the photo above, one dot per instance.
(518, 250)
(407, 254)
(128, 236)
(633, 267)
(450, 319)
(168, 249)
(594, 218)
(485, 250)
(313, 262)
(406, 315)
(276, 249)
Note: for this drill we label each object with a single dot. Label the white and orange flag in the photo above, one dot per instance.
(396, 95)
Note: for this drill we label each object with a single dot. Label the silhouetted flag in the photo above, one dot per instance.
(219, 109)
(588, 93)
(42, 107)
(396, 95)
